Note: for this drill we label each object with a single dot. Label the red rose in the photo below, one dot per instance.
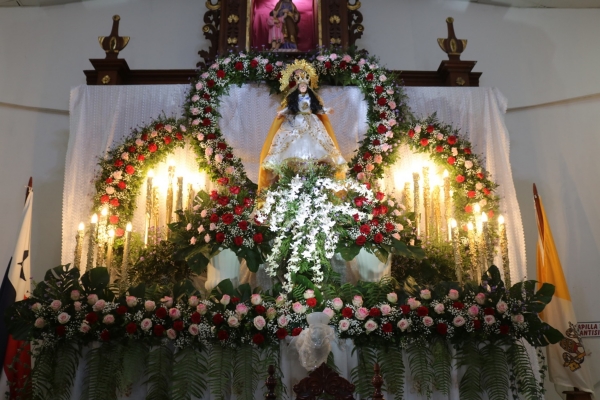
(247, 202)
(378, 89)
(158, 127)
(234, 190)
(375, 312)
(471, 194)
(268, 68)
(92, 318)
(365, 229)
(131, 328)
(429, 128)
(223, 200)
(152, 147)
(347, 312)
(355, 69)
(383, 209)
(488, 311)
(206, 96)
(130, 170)
(405, 308)
(451, 160)
(131, 149)
(208, 109)
(343, 65)
(141, 157)
(327, 64)
(121, 310)
(144, 136)
(356, 217)
(467, 150)
(382, 115)
(218, 319)
(238, 240)
(292, 84)
(480, 175)
(381, 129)
(119, 163)
(389, 227)
(235, 300)
(227, 218)
(382, 101)
(243, 225)
(178, 325)
(113, 219)
(158, 330)
(167, 139)
(179, 136)
(260, 309)
(109, 180)
(258, 238)
(114, 202)
(379, 196)
(376, 142)
(387, 327)
(223, 181)
(221, 146)
(161, 312)
(119, 232)
(238, 210)
(477, 324)
(104, 199)
(229, 155)
(378, 238)
(504, 329)
(239, 66)
(214, 195)
(296, 331)
(451, 139)
(357, 168)
(442, 328)
(104, 335)
(486, 191)
(458, 305)
(281, 333)
(210, 83)
(214, 218)
(468, 208)
(490, 213)
(411, 133)
(223, 335)
(460, 179)
(369, 77)
(220, 237)
(367, 155)
(211, 136)
(359, 201)
(220, 74)
(206, 122)
(439, 149)
(312, 302)
(196, 317)
(422, 311)
(361, 240)
(424, 142)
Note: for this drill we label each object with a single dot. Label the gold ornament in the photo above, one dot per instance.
(302, 72)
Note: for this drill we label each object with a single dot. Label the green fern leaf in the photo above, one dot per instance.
(244, 382)
(419, 361)
(362, 374)
(42, 374)
(442, 366)
(219, 373)
(469, 357)
(67, 361)
(270, 356)
(188, 370)
(135, 356)
(523, 371)
(158, 372)
(102, 366)
(391, 362)
(495, 372)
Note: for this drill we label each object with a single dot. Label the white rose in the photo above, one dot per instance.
(36, 307)
(225, 299)
(425, 294)
(149, 305)
(259, 323)
(110, 190)
(357, 301)
(468, 164)
(309, 294)
(337, 304)
(63, 318)
(392, 298)
(255, 299)
(233, 321)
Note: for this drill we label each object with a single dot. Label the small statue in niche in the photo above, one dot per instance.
(287, 12)
(275, 31)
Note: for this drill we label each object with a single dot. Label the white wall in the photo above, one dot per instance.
(532, 55)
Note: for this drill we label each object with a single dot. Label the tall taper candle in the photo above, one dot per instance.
(191, 195)
(407, 197)
(79, 245)
(91, 243)
(473, 258)
(109, 249)
(456, 250)
(504, 250)
(101, 237)
(416, 202)
(484, 242)
(169, 213)
(179, 202)
(149, 205)
(427, 214)
(437, 213)
(447, 210)
(124, 284)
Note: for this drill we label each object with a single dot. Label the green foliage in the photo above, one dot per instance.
(220, 360)
(436, 266)
(521, 368)
(376, 292)
(102, 369)
(361, 374)
(159, 373)
(157, 264)
(189, 369)
(494, 371)
(67, 361)
(391, 362)
(135, 356)
(42, 373)
(245, 373)
(96, 280)
(419, 363)
(469, 356)
(442, 365)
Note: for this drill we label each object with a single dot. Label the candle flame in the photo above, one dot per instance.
(477, 208)
(501, 219)
(484, 217)
(129, 227)
(111, 233)
(95, 219)
(104, 211)
(470, 226)
(151, 173)
(81, 227)
(445, 173)
(453, 223)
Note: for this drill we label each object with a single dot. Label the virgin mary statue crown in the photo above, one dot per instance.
(300, 71)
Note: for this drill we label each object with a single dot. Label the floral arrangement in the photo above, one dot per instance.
(217, 221)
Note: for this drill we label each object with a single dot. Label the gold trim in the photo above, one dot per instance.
(206, 28)
(450, 20)
(233, 19)
(319, 13)
(355, 6)
(460, 81)
(303, 65)
(334, 19)
(232, 41)
(213, 7)
(105, 80)
(248, 16)
(116, 17)
(336, 41)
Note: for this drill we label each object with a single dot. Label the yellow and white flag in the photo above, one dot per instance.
(567, 364)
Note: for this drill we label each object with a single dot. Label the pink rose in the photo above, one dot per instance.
(425, 294)
(329, 312)
(361, 313)
(271, 313)
(502, 307)
(453, 294)
(149, 305)
(200, 137)
(99, 306)
(337, 304)
(480, 298)
(255, 299)
(377, 159)
(386, 309)
(282, 321)
(225, 299)
(194, 330)
(357, 301)
(403, 324)
(343, 325)
(39, 323)
(439, 308)
(84, 328)
(171, 334)
(333, 56)
(201, 308)
(146, 324)
(199, 86)
(219, 158)
(75, 295)
(241, 309)
(131, 301)
(298, 308)
(458, 321)
(55, 305)
(489, 319)
(473, 311)
(413, 303)
(174, 313)
(108, 319)
(417, 129)
(63, 318)
(208, 151)
(392, 105)
(259, 322)
(369, 167)
(371, 325)
(346, 58)
(92, 299)
(77, 306)
(518, 319)
(193, 301)
(233, 321)
(36, 307)
(427, 321)
(167, 301)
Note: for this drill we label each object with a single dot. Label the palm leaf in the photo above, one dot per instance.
(442, 365)
(468, 356)
(188, 372)
(392, 370)
(521, 368)
(158, 372)
(495, 372)
(419, 362)
(219, 373)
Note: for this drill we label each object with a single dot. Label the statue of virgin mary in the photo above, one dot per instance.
(301, 133)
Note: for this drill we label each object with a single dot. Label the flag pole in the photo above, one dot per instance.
(29, 188)
(538, 210)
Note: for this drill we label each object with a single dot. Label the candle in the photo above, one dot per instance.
(447, 207)
(477, 213)
(92, 240)
(472, 251)
(125, 265)
(190, 201)
(100, 239)
(154, 215)
(149, 205)
(407, 197)
(169, 212)
(437, 214)
(484, 241)
(456, 249)
(179, 202)
(416, 202)
(109, 250)
(426, 203)
(504, 251)
(79, 245)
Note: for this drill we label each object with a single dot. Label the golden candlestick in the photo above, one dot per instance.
(79, 245)
(124, 283)
(92, 241)
(416, 202)
(407, 197)
(179, 201)
(427, 203)
(504, 251)
(456, 250)
(191, 195)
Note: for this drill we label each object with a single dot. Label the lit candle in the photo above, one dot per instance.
(504, 250)
(190, 200)
(79, 245)
(149, 204)
(109, 249)
(179, 202)
(426, 203)
(100, 240)
(416, 202)
(407, 197)
(92, 240)
(437, 213)
(484, 241)
(456, 249)
(169, 212)
(154, 215)
(472, 251)
(125, 265)
(477, 213)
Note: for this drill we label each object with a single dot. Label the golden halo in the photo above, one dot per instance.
(299, 65)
